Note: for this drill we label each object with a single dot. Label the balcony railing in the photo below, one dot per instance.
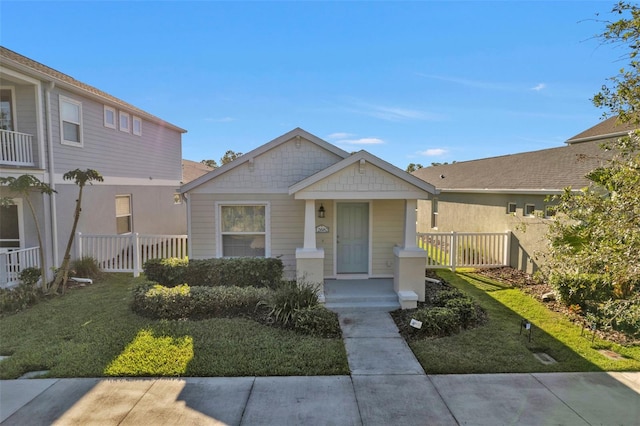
(16, 149)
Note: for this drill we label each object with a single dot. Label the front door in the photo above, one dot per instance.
(352, 238)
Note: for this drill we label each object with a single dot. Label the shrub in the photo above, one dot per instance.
(581, 289)
(437, 321)
(87, 267)
(169, 272)
(318, 321)
(290, 297)
(441, 298)
(182, 301)
(240, 272)
(25, 294)
(622, 315)
(467, 312)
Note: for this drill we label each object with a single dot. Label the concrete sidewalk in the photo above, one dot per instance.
(387, 386)
(491, 399)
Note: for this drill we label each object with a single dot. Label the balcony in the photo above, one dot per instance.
(16, 149)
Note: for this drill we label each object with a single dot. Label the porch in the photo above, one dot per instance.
(14, 261)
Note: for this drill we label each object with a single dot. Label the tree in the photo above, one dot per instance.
(211, 163)
(412, 167)
(23, 186)
(600, 228)
(80, 178)
(229, 156)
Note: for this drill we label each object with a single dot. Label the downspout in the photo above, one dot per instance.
(54, 215)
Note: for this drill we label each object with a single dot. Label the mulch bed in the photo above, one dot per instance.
(536, 289)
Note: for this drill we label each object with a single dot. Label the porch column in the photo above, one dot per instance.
(410, 262)
(309, 258)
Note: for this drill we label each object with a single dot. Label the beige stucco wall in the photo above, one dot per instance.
(474, 212)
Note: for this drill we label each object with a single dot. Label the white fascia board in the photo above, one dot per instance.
(261, 150)
(119, 180)
(505, 191)
(360, 195)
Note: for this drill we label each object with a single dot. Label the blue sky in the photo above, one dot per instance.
(410, 82)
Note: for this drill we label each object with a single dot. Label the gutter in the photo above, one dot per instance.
(507, 191)
(54, 216)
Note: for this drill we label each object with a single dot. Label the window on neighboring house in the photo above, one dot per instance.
(529, 209)
(434, 213)
(124, 122)
(244, 230)
(109, 117)
(10, 226)
(7, 109)
(549, 211)
(511, 208)
(137, 126)
(71, 121)
(123, 214)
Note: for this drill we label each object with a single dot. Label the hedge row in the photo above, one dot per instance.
(230, 272)
(184, 302)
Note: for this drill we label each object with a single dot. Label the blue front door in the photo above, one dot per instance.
(352, 238)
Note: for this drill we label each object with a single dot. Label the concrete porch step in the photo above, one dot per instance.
(380, 306)
(361, 294)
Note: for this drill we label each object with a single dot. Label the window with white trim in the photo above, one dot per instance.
(511, 208)
(244, 230)
(124, 223)
(7, 109)
(125, 126)
(109, 117)
(529, 209)
(137, 126)
(70, 121)
(550, 211)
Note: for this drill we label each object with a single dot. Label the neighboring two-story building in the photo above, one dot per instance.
(51, 123)
(512, 192)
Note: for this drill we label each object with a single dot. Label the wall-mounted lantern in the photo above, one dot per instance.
(321, 211)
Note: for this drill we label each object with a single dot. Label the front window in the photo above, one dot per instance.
(71, 121)
(123, 214)
(243, 230)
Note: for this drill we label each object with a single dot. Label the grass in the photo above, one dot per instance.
(92, 332)
(498, 346)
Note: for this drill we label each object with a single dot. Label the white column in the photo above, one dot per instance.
(310, 224)
(410, 218)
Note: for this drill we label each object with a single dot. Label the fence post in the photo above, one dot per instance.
(507, 249)
(135, 243)
(79, 245)
(453, 257)
(4, 269)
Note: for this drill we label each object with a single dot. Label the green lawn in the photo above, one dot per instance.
(92, 332)
(498, 345)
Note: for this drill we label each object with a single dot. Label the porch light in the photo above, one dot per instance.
(321, 211)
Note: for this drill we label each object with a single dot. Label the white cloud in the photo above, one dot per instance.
(539, 87)
(392, 113)
(340, 135)
(361, 141)
(479, 84)
(433, 152)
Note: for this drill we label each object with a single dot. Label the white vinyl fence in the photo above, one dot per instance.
(12, 262)
(128, 253)
(465, 249)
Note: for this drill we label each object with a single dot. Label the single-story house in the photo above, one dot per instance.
(328, 214)
(512, 192)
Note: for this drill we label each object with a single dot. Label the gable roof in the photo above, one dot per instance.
(545, 171)
(297, 132)
(609, 128)
(45, 73)
(192, 170)
(367, 158)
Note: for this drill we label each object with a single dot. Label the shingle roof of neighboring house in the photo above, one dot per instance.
(192, 170)
(47, 73)
(545, 171)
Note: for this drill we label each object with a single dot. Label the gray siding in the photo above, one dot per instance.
(388, 231)
(157, 154)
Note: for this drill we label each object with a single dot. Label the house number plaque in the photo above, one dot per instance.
(322, 229)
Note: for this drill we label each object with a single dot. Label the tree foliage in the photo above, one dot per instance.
(598, 231)
(412, 167)
(228, 157)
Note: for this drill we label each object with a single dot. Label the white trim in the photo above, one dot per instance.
(18, 202)
(369, 238)
(524, 210)
(120, 180)
(361, 196)
(134, 120)
(514, 191)
(63, 99)
(515, 207)
(112, 110)
(267, 223)
(129, 215)
(121, 115)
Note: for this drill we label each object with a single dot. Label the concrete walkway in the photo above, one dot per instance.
(387, 386)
